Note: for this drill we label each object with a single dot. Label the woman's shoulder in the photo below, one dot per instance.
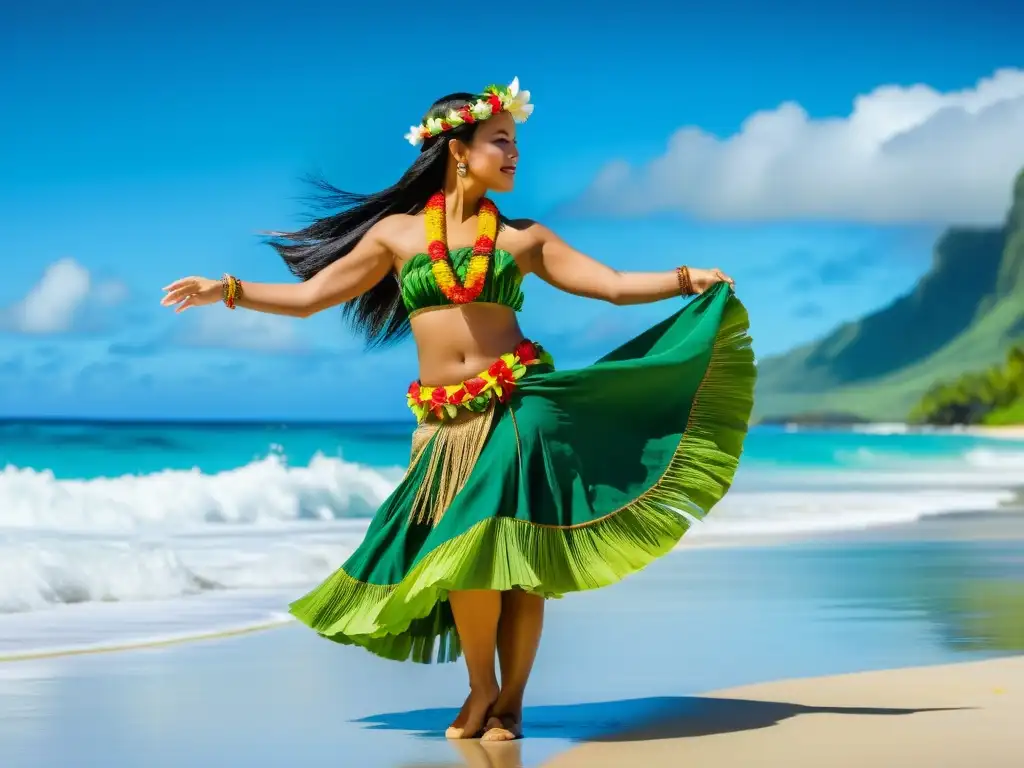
(397, 223)
(529, 228)
(518, 225)
(402, 233)
(523, 236)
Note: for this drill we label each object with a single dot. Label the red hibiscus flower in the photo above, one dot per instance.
(500, 370)
(474, 386)
(526, 351)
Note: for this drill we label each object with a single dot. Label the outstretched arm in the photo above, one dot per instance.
(561, 265)
(347, 278)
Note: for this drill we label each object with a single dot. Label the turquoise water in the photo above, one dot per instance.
(111, 532)
(87, 450)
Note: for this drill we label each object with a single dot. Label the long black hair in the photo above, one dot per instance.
(378, 314)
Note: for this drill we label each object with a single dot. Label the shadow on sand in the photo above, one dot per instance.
(629, 720)
(633, 719)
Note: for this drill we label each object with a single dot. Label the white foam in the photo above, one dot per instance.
(48, 570)
(867, 469)
(174, 548)
(177, 533)
(780, 513)
(989, 459)
(882, 428)
(264, 492)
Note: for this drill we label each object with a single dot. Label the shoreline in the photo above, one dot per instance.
(955, 714)
(139, 645)
(1013, 432)
(1006, 524)
(879, 602)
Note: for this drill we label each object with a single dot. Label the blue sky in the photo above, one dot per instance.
(143, 144)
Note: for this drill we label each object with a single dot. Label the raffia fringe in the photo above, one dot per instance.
(455, 447)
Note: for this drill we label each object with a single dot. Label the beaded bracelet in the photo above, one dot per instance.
(685, 284)
(231, 290)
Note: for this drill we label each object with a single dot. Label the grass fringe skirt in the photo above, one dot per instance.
(584, 477)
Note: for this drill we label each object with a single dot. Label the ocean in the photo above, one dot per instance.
(123, 533)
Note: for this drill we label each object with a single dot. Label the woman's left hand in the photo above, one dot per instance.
(702, 279)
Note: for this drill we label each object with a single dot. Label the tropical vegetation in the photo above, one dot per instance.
(993, 397)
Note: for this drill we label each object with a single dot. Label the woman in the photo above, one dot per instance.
(525, 482)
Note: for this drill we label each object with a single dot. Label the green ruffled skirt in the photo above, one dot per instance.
(581, 478)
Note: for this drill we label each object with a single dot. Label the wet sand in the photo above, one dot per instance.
(630, 659)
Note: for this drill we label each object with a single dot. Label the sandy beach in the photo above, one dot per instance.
(627, 691)
(952, 715)
(1012, 432)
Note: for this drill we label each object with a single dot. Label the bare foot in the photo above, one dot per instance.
(471, 718)
(504, 727)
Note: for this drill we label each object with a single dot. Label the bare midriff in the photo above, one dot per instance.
(456, 343)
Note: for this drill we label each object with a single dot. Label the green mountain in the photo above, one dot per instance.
(964, 314)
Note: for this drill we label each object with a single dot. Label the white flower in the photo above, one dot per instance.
(520, 109)
(414, 136)
(454, 119)
(517, 103)
(481, 110)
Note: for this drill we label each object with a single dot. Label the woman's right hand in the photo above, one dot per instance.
(192, 292)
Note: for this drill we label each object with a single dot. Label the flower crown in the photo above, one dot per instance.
(494, 99)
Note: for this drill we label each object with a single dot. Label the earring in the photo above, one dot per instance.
(462, 169)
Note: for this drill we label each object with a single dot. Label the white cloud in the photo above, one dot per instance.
(903, 154)
(220, 328)
(54, 303)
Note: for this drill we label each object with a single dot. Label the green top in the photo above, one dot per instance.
(420, 291)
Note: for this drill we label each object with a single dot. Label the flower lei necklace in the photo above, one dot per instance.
(440, 258)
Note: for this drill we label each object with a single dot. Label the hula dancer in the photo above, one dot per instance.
(525, 482)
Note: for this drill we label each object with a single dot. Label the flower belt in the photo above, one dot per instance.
(475, 394)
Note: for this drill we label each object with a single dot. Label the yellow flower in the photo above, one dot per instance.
(443, 275)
